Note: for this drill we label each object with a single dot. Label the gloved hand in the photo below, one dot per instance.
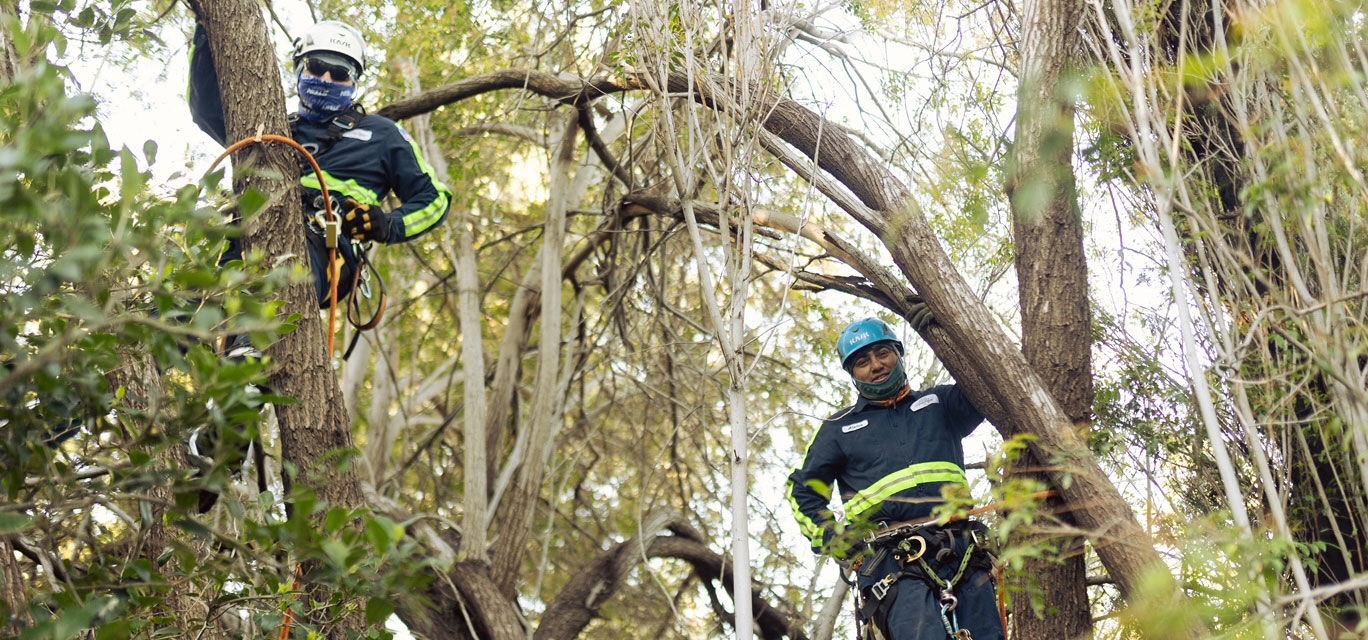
(364, 222)
(918, 314)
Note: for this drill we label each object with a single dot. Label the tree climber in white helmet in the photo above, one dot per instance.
(364, 158)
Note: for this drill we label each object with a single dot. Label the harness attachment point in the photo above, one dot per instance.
(880, 589)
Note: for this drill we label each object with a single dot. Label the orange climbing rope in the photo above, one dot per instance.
(289, 613)
(333, 274)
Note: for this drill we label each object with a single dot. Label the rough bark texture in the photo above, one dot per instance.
(316, 426)
(12, 589)
(9, 58)
(1052, 280)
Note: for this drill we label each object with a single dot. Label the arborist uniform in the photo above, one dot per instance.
(363, 157)
(889, 460)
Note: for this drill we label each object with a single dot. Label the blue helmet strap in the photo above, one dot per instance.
(886, 389)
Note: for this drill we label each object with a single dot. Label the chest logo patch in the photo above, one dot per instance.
(855, 426)
(363, 135)
(925, 401)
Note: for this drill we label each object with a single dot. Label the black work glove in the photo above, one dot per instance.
(365, 223)
(918, 314)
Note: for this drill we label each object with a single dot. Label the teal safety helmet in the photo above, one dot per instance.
(863, 333)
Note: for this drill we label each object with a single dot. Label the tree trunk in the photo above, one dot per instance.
(315, 427)
(1052, 279)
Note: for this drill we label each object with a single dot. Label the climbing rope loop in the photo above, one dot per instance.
(332, 223)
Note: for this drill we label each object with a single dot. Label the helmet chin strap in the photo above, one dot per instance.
(886, 389)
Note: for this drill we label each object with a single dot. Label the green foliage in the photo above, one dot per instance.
(113, 304)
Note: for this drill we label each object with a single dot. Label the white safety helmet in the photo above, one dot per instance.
(332, 36)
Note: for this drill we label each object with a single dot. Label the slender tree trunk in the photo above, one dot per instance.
(475, 459)
(315, 427)
(9, 58)
(518, 511)
(1052, 276)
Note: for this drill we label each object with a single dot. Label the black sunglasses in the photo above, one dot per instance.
(339, 72)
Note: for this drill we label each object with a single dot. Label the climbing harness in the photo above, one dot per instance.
(331, 218)
(338, 126)
(327, 224)
(909, 545)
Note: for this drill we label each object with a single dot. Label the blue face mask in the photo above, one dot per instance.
(320, 100)
(886, 389)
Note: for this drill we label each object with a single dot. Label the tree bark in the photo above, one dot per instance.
(316, 427)
(1052, 280)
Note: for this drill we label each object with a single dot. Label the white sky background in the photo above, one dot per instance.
(149, 103)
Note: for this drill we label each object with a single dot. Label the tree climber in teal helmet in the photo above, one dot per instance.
(890, 454)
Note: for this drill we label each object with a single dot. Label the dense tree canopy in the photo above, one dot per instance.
(1138, 227)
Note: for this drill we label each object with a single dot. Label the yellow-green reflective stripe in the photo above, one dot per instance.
(348, 188)
(419, 221)
(810, 529)
(902, 480)
(190, 77)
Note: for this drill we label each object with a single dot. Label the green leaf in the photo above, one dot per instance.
(251, 201)
(194, 528)
(378, 610)
(14, 523)
(115, 630)
(336, 518)
(378, 535)
(336, 551)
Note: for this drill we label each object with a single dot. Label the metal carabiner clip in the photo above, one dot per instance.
(912, 556)
(948, 602)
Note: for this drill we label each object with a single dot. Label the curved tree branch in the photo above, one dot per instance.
(577, 603)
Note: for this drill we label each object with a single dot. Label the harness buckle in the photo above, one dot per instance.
(880, 589)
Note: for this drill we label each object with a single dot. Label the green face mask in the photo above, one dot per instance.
(886, 389)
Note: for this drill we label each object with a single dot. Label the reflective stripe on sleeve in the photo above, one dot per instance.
(421, 220)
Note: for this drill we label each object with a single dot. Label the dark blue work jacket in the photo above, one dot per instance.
(889, 463)
(367, 163)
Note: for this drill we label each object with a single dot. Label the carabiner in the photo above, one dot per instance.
(948, 602)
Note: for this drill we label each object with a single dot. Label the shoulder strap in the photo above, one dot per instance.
(337, 127)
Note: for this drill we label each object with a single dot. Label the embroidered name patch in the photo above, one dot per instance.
(855, 426)
(359, 134)
(925, 401)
